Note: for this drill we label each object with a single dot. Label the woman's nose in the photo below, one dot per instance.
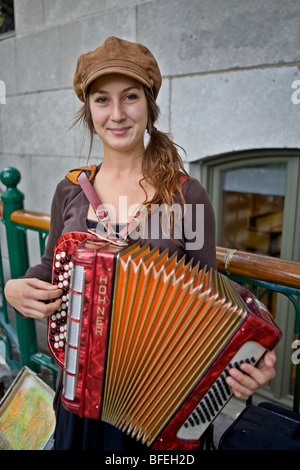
(117, 112)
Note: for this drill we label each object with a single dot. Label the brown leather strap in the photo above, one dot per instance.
(100, 210)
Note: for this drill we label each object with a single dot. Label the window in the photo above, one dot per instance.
(256, 200)
(252, 208)
(7, 21)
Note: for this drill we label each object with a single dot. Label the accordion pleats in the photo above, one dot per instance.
(163, 337)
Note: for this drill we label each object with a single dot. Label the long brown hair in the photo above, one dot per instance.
(162, 165)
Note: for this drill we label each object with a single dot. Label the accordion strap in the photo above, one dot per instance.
(101, 212)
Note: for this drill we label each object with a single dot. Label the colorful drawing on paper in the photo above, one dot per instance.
(28, 420)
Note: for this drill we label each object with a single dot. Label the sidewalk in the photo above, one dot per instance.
(226, 418)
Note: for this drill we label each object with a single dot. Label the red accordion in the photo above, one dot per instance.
(146, 340)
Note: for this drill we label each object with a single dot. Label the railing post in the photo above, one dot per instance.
(12, 199)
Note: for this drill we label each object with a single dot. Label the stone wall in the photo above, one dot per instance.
(227, 65)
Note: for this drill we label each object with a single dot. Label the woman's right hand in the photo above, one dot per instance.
(33, 297)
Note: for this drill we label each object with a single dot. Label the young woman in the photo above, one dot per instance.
(118, 84)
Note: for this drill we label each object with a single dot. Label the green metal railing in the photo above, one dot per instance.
(22, 336)
(261, 274)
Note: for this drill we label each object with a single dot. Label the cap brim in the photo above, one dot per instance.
(119, 70)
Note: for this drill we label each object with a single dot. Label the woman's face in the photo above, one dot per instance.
(119, 112)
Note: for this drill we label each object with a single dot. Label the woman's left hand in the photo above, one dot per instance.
(245, 383)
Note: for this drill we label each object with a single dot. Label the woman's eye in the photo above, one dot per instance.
(131, 97)
(102, 100)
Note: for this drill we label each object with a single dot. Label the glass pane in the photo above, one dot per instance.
(252, 208)
(7, 22)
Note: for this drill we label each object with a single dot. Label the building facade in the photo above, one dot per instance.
(230, 97)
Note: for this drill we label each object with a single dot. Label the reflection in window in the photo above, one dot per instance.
(252, 212)
(252, 208)
(7, 21)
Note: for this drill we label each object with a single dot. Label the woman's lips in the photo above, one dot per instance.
(119, 130)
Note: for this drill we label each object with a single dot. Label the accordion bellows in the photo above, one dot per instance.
(150, 339)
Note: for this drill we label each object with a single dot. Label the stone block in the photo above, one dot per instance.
(38, 61)
(29, 16)
(7, 65)
(234, 111)
(65, 11)
(1, 139)
(87, 34)
(39, 177)
(36, 124)
(193, 36)
(45, 173)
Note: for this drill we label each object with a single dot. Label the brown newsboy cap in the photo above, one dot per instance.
(117, 56)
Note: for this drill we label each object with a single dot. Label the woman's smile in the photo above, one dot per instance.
(119, 130)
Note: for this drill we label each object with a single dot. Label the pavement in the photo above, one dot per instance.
(229, 413)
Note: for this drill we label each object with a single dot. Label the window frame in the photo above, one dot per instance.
(211, 177)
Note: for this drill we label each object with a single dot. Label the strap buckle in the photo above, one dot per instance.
(102, 214)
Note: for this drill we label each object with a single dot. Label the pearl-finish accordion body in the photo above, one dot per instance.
(146, 340)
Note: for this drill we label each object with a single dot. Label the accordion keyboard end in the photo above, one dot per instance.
(218, 395)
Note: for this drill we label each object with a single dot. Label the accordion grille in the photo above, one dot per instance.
(73, 332)
(169, 321)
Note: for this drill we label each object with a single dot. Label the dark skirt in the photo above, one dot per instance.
(75, 433)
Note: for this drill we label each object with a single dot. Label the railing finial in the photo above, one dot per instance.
(10, 177)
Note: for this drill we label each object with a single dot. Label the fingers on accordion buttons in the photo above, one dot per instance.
(58, 325)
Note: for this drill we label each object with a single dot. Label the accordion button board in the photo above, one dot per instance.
(61, 276)
(219, 394)
(62, 273)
